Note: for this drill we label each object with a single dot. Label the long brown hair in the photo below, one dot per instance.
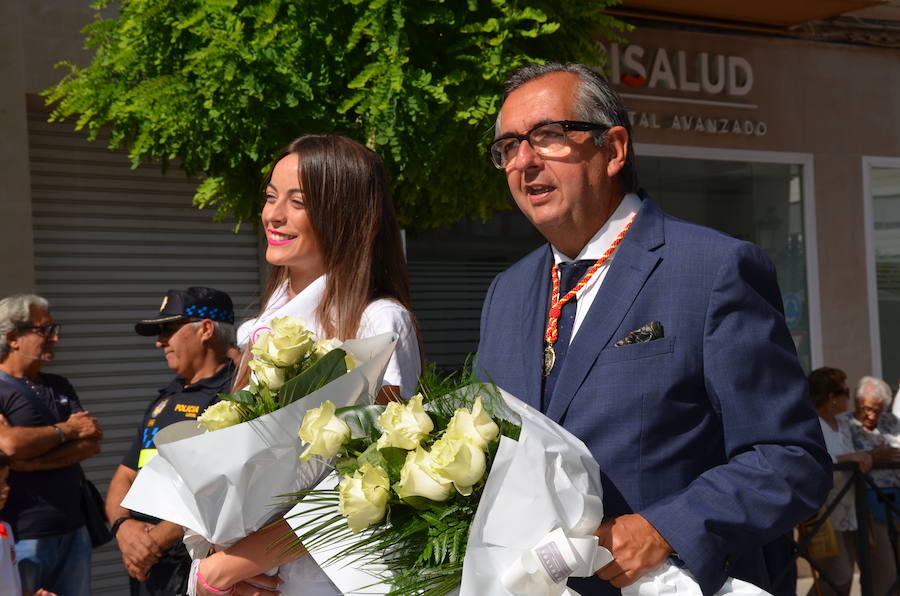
(349, 206)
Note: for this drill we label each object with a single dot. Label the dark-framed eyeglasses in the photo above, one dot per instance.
(549, 139)
(48, 330)
(872, 411)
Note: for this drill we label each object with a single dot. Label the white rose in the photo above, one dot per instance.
(286, 344)
(323, 346)
(404, 426)
(418, 480)
(364, 497)
(267, 374)
(324, 432)
(220, 415)
(475, 426)
(263, 347)
(458, 461)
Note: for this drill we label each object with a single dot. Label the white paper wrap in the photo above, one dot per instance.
(533, 528)
(222, 485)
(540, 506)
(347, 576)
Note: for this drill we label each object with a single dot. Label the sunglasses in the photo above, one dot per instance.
(167, 330)
(43, 330)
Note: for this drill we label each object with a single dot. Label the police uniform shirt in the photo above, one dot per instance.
(176, 402)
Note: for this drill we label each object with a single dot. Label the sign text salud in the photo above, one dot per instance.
(712, 80)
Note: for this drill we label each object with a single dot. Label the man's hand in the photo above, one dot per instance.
(166, 534)
(636, 546)
(140, 551)
(81, 425)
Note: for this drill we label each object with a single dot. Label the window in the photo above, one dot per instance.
(755, 201)
(884, 189)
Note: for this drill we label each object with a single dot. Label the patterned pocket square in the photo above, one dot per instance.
(648, 332)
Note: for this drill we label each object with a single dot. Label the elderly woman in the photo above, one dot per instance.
(831, 396)
(878, 431)
(46, 432)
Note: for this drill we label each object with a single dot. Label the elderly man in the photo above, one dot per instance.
(46, 432)
(194, 329)
(660, 344)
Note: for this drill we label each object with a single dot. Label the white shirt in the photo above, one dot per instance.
(380, 316)
(594, 249)
(840, 442)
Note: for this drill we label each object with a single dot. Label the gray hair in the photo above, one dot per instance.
(873, 388)
(224, 333)
(15, 311)
(595, 101)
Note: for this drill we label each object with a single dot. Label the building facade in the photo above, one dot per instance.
(793, 144)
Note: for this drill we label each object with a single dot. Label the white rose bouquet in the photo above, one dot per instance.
(289, 363)
(223, 485)
(472, 492)
(411, 476)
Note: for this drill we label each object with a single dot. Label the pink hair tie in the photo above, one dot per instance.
(209, 588)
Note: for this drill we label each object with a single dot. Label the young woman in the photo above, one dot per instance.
(338, 263)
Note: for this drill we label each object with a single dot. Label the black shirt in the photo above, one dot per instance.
(46, 502)
(176, 402)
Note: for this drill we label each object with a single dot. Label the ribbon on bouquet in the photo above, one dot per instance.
(560, 554)
(544, 569)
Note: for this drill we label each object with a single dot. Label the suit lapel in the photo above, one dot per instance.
(535, 301)
(632, 264)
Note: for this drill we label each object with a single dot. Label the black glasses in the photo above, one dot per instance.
(43, 330)
(548, 139)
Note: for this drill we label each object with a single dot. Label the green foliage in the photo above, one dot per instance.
(217, 87)
(362, 420)
(325, 370)
(445, 393)
(309, 374)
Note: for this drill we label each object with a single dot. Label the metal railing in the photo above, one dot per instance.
(860, 483)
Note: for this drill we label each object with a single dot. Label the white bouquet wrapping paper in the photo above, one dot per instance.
(533, 529)
(534, 525)
(349, 575)
(222, 485)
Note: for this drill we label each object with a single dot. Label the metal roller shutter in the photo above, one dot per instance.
(447, 297)
(109, 241)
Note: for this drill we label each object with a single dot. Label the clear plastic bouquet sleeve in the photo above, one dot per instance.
(223, 485)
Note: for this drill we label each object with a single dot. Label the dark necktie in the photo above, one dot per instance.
(569, 275)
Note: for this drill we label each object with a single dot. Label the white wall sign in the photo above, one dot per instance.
(661, 68)
(714, 80)
(706, 124)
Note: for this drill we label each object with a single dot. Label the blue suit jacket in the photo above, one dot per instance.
(708, 433)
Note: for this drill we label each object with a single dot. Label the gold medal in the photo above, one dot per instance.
(549, 359)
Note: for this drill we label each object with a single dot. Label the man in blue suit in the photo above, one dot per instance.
(669, 358)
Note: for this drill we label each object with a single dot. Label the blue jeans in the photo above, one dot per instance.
(60, 564)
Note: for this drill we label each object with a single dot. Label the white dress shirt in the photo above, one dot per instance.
(594, 249)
